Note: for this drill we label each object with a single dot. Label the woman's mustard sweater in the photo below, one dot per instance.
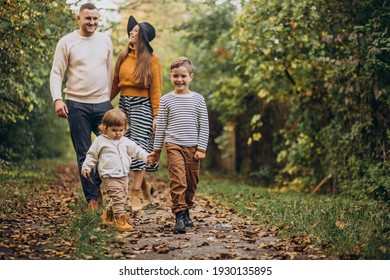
(124, 82)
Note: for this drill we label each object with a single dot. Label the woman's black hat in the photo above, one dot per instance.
(148, 31)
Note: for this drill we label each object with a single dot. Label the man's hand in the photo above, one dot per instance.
(61, 109)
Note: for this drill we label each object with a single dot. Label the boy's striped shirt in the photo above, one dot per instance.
(182, 120)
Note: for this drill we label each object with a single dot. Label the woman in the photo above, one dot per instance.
(138, 78)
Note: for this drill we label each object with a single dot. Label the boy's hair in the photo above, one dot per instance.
(88, 6)
(114, 117)
(182, 61)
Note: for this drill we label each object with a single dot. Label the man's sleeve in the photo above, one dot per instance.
(110, 67)
(58, 69)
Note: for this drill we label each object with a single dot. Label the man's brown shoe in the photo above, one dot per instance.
(93, 205)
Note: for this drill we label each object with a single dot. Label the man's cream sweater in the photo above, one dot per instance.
(88, 63)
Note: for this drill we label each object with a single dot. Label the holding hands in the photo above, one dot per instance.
(154, 157)
(151, 159)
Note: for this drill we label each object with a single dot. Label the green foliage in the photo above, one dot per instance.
(370, 181)
(29, 33)
(341, 226)
(308, 80)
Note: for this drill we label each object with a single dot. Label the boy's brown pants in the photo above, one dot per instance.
(183, 174)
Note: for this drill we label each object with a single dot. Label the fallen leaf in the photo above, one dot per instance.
(93, 239)
(340, 224)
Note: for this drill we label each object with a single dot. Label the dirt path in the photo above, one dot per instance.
(218, 234)
(31, 230)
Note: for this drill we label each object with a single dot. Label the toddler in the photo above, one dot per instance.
(112, 153)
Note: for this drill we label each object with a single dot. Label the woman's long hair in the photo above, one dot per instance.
(142, 72)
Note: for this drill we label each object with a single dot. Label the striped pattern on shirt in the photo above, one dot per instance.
(139, 114)
(182, 120)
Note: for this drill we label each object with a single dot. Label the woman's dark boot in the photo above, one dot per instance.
(179, 225)
(187, 219)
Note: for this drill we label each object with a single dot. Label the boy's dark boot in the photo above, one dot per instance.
(187, 219)
(179, 225)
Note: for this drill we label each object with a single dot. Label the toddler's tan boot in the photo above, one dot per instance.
(136, 200)
(146, 188)
(121, 223)
(107, 217)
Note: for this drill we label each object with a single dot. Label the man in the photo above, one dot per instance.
(86, 56)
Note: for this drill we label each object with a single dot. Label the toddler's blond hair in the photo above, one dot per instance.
(114, 117)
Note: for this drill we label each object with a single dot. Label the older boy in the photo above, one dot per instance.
(182, 124)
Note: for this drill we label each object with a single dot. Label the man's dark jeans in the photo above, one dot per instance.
(84, 118)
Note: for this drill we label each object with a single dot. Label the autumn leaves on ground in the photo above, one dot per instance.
(53, 224)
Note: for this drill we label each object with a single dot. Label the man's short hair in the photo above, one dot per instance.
(88, 6)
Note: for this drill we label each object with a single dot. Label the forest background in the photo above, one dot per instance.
(302, 86)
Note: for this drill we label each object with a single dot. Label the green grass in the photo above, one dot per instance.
(341, 226)
(92, 240)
